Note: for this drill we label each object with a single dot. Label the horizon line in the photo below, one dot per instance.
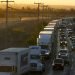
(33, 4)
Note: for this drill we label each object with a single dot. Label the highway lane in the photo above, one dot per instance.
(50, 71)
(32, 18)
(13, 21)
(3, 20)
(67, 68)
(73, 64)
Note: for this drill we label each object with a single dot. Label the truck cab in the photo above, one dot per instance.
(35, 59)
(44, 41)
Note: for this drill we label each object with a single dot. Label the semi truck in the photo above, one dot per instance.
(14, 61)
(35, 59)
(44, 40)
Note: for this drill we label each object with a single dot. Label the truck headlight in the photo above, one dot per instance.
(66, 54)
(65, 41)
(47, 53)
(62, 64)
(59, 54)
(53, 64)
(72, 47)
(61, 42)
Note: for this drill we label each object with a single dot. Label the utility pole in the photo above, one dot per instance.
(48, 13)
(38, 10)
(7, 2)
(43, 12)
(46, 9)
(7, 11)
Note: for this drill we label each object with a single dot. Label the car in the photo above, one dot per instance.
(62, 38)
(64, 54)
(61, 30)
(62, 26)
(70, 31)
(66, 59)
(58, 64)
(62, 47)
(70, 36)
(62, 35)
(73, 38)
(73, 45)
(63, 43)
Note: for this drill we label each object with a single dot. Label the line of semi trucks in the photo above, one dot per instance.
(18, 61)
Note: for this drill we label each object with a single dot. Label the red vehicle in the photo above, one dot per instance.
(58, 64)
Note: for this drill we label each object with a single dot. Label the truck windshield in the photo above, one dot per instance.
(44, 46)
(35, 57)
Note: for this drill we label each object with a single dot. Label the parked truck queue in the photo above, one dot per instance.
(54, 45)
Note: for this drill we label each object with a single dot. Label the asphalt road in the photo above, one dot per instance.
(73, 64)
(67, 69)
(50, 71)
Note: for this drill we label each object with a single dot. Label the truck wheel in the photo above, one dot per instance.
(43, 70)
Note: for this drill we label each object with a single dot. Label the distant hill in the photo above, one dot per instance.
(62, 7)
(19, 6)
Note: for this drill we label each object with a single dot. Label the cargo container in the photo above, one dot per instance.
(14, 61)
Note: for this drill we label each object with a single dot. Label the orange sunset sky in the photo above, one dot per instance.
(49, 2)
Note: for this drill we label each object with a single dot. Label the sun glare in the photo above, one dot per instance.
(50, 2)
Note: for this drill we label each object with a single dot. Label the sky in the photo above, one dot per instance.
(49, 2)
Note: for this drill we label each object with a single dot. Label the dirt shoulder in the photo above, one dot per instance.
(20, 34)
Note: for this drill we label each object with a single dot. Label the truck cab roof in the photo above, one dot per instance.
(45, 32)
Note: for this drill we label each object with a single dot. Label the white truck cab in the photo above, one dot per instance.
(35, 59)
(44, 40)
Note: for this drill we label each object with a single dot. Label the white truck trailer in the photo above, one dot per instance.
(35, 59)
(14, 61)
(49, 29)
(45, 40)
(49, 26)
